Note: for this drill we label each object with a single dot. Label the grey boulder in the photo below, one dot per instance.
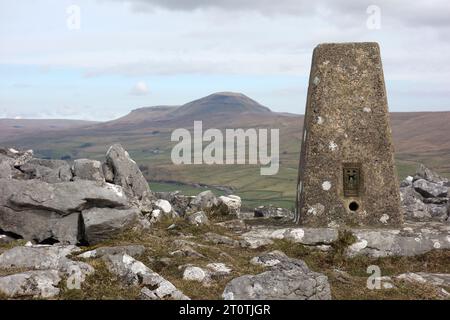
(134, 272)
(104, 223)
(86, 169)
(35, 284)
(47, 258)
(423, 172)
(50, 171)
(41, 226)
(62, 197)
(126, 172)
(289, 279)
(197, 218)
(205, 201)
(430, 189)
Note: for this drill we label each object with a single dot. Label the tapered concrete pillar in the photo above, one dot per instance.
(347, 172)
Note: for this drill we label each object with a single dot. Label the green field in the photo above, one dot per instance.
(152, 151)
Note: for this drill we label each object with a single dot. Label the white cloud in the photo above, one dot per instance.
(140, 89)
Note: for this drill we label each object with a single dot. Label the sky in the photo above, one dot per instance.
(99, 59)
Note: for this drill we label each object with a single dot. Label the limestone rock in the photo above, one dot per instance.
(272, 212)
(230, 205)
(41, 225)
(197, 218)
(134, 272)
(35, 284)
(399, 242)
(131, 250)
(6, 239)
(86, 169)
(64, 197)
(287, 279)
(205, 201)
(108, 173)
(413, 205)
(126, 172)
(435, 279)
(430, 189)
(103, 223)
(220, 239)
(47, 258)
(5, 170)
(308, 236)
(180, 203)
(51, 171)
(423, 172)
(198, 274)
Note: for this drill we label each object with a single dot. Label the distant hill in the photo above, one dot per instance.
(18, 128)
(146, 134)
(222, 103)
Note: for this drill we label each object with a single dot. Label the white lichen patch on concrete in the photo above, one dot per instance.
(316, 80)
(319, 120)
(326, 185)
(332, 146)
(384, 218)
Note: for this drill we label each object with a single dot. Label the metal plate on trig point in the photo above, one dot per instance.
(351, 180)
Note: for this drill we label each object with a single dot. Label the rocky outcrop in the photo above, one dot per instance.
(287, 278)
(47, 201)
(126, 172)
(86, 169)
(425, 196)
(47, 266)
(101, 223)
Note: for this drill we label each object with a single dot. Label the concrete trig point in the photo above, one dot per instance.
(347, 173)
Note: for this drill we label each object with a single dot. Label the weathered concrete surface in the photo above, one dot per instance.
(347, 125)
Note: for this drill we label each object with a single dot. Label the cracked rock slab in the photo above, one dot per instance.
(35, 284)
(134, 272)
(131, 250)
(47, 258)
(287, 279)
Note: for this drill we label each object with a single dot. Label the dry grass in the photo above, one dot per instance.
(160, 241)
